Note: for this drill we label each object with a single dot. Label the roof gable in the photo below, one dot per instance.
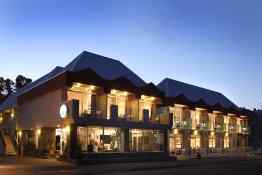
(107, 68)
(11, 100)
(173, 88)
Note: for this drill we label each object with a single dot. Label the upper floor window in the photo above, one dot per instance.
(117, 104)
(146, 107)
(86, 96)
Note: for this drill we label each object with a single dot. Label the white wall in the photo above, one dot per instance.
(42, 111)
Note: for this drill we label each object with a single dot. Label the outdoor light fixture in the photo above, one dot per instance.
(212, 133)
(125, 93)
(67, 129)
(195, 133)
(63, 111)
(113, 91)
(176, 131)
(1, 119)
(12, 114)
(38, 131)
(92, 87)
(20, 133)
(78, 85)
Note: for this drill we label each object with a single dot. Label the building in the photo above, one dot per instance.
(204, 121)
(96, 105)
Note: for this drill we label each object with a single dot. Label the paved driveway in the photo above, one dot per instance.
(33, 166)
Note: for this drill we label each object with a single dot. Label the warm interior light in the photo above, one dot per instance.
(1, 119)
(195, 133)
(77, 85)
(125, 93)
(144, 97)
(12, 114)
(92, 87)
(175, 131)
(113, 91)
(20, 133)
(212, 134)
(38, 131)
(67, 129)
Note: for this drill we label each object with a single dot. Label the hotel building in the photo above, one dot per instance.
(99, 106)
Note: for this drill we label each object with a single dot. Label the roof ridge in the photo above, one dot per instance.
(188, 84)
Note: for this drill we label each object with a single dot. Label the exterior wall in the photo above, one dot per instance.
(208, 132)
(42, 111)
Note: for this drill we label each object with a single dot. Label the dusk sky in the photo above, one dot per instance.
(216, 44)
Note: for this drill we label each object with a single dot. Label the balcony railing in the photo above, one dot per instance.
(203, 126)
(219, 128)
(162, 118)
(183, 124)
(244, 130)
(232, 129)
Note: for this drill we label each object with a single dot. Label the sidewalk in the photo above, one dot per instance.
(133, 167)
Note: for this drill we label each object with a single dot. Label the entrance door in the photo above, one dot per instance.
(172, 145)
(59, 141)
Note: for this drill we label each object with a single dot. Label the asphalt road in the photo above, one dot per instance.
(33, 166)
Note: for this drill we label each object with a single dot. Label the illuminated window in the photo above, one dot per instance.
(101, 139)
(195, 142)
(212, 142)
(226, 142)
(146, 140)
(178, 142)
(119, 99)
(82, 93)
(145, 104)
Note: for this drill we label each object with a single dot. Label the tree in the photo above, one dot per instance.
(21, 81)
(2, 85)
(9, 86)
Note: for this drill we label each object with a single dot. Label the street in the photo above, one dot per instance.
(34, 166)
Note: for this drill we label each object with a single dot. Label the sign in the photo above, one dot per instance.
(63, 111)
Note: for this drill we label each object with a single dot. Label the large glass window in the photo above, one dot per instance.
(101, 139)
(226, 142)
(212, 142)
(146, 140)
(195, 141)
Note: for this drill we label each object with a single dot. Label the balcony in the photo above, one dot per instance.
(183, 125)
(232, 129)
(244, 130)
(203, 126)
(219, 128)
(94, 103)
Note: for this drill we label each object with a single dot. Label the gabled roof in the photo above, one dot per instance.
(173, 88)
(11, 100)
(107, 68)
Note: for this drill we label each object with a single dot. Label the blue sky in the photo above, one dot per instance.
(213, 44)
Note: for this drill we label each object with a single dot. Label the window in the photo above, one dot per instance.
(212, 142)
(101, 139)
(84, 95)
(195, 142)
(226, 142)
(119, 99)
(146, 140)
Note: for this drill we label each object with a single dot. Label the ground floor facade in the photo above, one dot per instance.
(205, 142)
(98, 139)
